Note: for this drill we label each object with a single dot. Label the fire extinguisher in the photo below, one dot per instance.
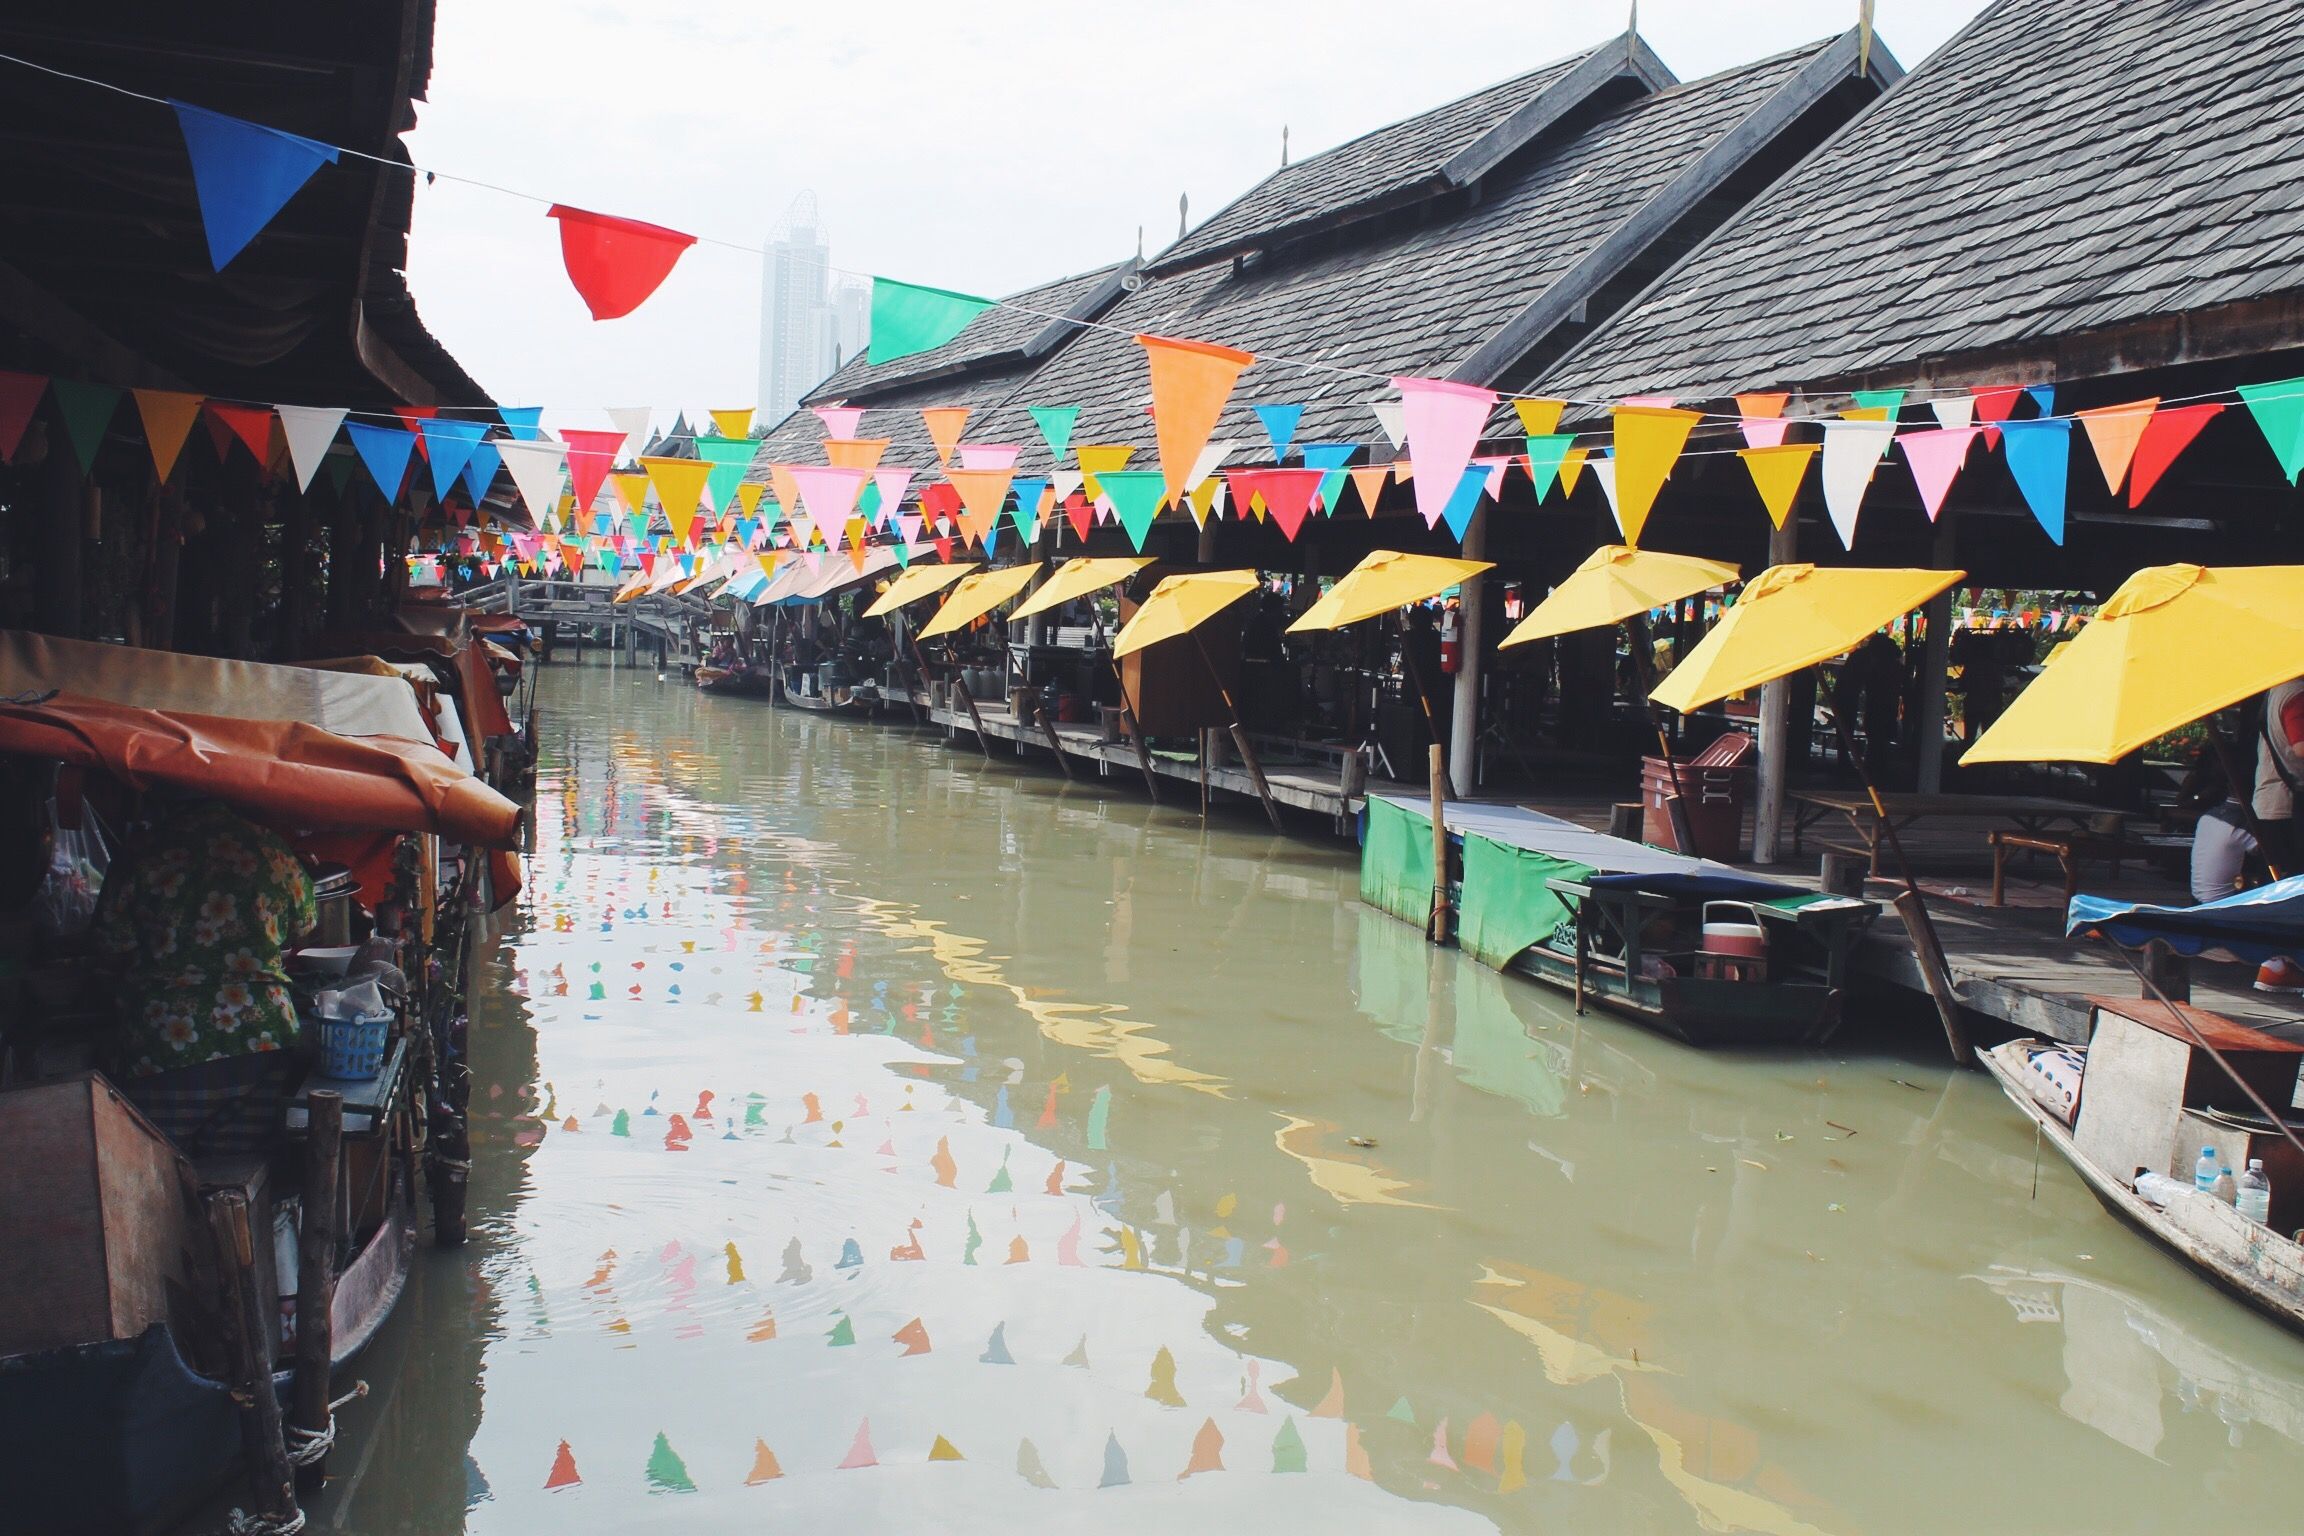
(1451, 641)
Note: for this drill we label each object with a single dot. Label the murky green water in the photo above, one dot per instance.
(874, 1139)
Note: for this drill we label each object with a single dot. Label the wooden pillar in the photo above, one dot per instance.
(316, 1272)
(1936, 661)
(1464, 724)
(1775, 728)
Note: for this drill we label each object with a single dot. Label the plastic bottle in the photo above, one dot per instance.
(2255, 1201)
(2225, 1188)
(2204, 1171)
(2157, 1188)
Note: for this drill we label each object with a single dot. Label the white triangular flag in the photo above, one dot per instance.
(1066, 482)
(1211, 459)
(1392, 416)
(535, 470)
(1852, 451)
(1954, 411)
(1603, 469)
(632, 421)
(310, 429)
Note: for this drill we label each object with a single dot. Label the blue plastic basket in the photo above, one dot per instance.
(354, 1048)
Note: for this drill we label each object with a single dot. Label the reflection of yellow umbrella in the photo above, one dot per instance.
(1180, 605)
(1789, 617)
(1078, 578)
(978, 596)
(1616, 583)
(1386, 580)
(917, 582)
(2175, 643)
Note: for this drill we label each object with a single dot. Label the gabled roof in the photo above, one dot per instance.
(1420, 157)
(2051, 171)
(1432, 293)
(1040, 319)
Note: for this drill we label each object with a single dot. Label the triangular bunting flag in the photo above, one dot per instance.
(19, 397)
(251, 425)
(385, 452)
(1287, 494)
(1441, 422)
(1279, 426)
(615, 263)
(2168, 434)
(1330, 458)
(1777, 471)
(1538, 418)
(907, 319)
(243, 173)
(448, 447)
(1368, 480)
(732, 423)
(1935, 457)
(591, 454)
(839, 420)
(1852, 451)
(2113, 432)
(1392, 417)
(982, 492)
(1100, 458)
(1546, 455)
(679, 488)
(854, 452)
(168, 418)
(945, 423)
(311, 430)
(1648, 443)
(535, 470)
(87, 410)
(1055, 423)
(1763, 419)
(1136, 497)
(2279, 411)
(2040, 459)
(524, 420)
(1191, 380)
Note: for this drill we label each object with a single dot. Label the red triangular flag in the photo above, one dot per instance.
(591, 454)
(1079, 514)
(1993, 403)
(615, 263)
(2168, 434)
(943, 544)
(252, 424)
(1287, 493)
(413, 418)
(20, 395)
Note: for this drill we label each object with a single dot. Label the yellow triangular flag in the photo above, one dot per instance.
(168, 418)
(1572, 469)
(734, 423)
(944, 426)
(1777, 473)
(748, 494)
(857, 528)
(679, 488)
(1101, 458)
(1539, 418)
(1648, 442)
(632, 490)
(1202, 498)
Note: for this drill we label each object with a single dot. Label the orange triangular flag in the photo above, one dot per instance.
(982, 491)
(1332, 1406)
(563, 1473)
(1539, 418)
(764, 1466)
(1207, 1451)
(944, 426)
(944, 1450)
(1648, 443)
(854, 452)
(1368, 480)
(1191, 380)
(913, 1336)
(2113, 431)
(1777, 473)
(168, 418)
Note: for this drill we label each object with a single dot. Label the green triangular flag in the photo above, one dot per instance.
(729, 458)
(339, 467)
(1055, 424)
(1888, 400)
(843, 1332)
(2279, 411)
(1401, 1411)
(908, 319)
(87, 412)
(667, 1473)
(868, 505)
(1136, 495)
(1545, 455)
(1288, 1449)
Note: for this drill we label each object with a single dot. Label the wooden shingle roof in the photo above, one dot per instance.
(2052, 171)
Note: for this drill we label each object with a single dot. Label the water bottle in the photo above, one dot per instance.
(2225, 1189)
(2157, 1188)
(2204, 1171)
(2255, 1200)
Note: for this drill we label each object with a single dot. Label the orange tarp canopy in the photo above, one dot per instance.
(284, 773)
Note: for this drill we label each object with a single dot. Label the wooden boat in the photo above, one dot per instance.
(740, 680)
(1700, 951)
(2151, 1097)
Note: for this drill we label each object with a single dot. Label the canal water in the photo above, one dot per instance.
(873, 1138)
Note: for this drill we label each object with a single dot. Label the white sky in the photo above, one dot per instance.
(982, 148)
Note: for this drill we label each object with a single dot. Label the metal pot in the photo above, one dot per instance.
(333, 887)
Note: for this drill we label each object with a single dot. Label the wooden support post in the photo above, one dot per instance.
(983, 742)
(1207, 745)
(1136, 735)
(271, 1481)
(1055, 743)
(1436, 929)
(1256, 776)
(316, 1273)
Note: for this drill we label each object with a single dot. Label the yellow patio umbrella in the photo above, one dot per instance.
(977, 596)
(1789, 617)
(1616, 583)
(917, 582)
(1181, 604)
(1386, 580)
(1078, 578)
(2173, 644)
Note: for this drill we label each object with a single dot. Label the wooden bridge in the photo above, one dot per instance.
(660, 625)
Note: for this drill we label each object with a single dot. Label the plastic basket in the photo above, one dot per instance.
(354, 1048)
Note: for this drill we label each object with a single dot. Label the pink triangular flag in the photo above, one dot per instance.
(1440, 425)
(1935, 458)
(840, 420)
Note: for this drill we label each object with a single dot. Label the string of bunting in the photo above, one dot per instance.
(245, 173)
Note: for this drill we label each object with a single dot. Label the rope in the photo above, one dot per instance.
(309, 1447)
(242, 1523)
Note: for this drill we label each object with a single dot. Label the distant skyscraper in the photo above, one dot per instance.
(808, 327)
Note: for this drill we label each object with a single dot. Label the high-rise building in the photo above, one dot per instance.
(808, 326)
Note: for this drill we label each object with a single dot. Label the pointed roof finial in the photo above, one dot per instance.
(1283, 146)
(1139, 242)
(1183, 212)
(1632, 22)
(1863, 37)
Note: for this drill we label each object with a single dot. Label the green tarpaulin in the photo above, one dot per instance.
(1396, 862)
(1506, 905)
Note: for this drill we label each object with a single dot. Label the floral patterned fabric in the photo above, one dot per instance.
(201, 919)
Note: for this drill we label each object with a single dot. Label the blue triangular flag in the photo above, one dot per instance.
(2040, 457)
(1331, 457)
(480, 472)
(385, 451)
(1280, 426)
(244, 173)
(524, 420)
(2043, 398)
(1028, 493)
(1458, 513)
(448, 448)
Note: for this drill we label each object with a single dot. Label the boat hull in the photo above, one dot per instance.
(1698, 1011)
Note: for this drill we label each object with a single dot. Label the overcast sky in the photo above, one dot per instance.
(982, 148)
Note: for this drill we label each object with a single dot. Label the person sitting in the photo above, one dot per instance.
(200, 918)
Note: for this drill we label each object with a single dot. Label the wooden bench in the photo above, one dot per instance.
(2069, 849)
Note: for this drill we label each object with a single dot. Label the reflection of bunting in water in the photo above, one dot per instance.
(1480, 1437)
(1162, 1388)
(1079, 1355)
(1000, 1184)
(860, 1453)
(843, 1332)
(1332, 1406)
(1356, 1454)
(796, 1268)
(764, 1466)
(1207, 1451)
(1099, 1116)
(1401, 1411)
(1028, 1465)
(1018, 1251)
(1288, 1448)
(913, 1336)
(996, 1351)
(765, 1329)
(851, 1255)
(667, 1473)
(944, 1450)
(1115, 1464)
(1440, 1456)
(563, 1473)
(1513, 1446)
(946, 1169)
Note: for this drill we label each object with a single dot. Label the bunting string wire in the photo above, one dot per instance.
(1309, 365)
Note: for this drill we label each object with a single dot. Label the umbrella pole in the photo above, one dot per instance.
(960, 687)
(1676, 807)
(1927, 947)
(1135, 733)
(1240, 738)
